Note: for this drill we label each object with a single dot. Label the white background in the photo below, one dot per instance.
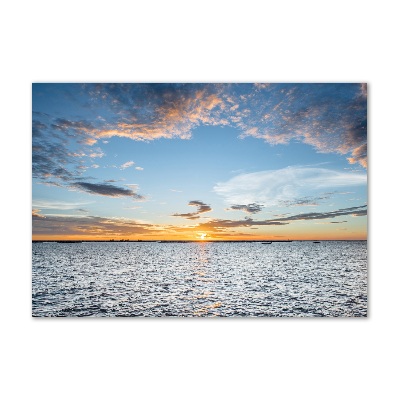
(207, 41)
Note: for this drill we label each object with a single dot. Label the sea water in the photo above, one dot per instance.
(230, 279)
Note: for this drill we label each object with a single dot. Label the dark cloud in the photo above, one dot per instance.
(82, 131)
(355, 211)
(188, 215)
(304, 201)
(352, 208)
(106, 189)
(149, 111)
(64, 125)
(149, 101)
(252, 208)
(222, 224)
(218, 225)
(55, 164)
(90, 225)
(329, 117)
(51, 158)
(360, 213)
(37, 128)
(245, 222)
(201, 208)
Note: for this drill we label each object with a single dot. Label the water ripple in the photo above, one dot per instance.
(297, 279)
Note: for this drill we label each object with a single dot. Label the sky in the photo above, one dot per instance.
(199, 161)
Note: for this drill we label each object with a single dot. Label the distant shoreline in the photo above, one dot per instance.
(196, 241)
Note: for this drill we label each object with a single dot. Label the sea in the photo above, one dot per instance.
(200, 279)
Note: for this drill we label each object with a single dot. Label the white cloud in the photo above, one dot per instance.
(272, 187)
(127, 164)
(139, 168)
(98, 153)
(59, 205)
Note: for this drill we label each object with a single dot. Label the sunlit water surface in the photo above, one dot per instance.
(296, 279)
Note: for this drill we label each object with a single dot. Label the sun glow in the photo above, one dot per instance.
(203, 236)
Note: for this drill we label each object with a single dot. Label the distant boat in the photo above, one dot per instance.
(316, 241)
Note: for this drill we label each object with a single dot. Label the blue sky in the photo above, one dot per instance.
(189, 161)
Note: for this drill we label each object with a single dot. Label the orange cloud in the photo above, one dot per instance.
(175, 117)
(35, 213)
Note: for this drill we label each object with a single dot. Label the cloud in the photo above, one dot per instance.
(249, 208)
(201, 208)
(247, 222)
(330, 117)
(261, 85)
(37, 128)
(153, 111)
(65, 125)
(359, 155)
(91, 225)
(58, 205)
(89, 141)
(358, 211)
(304, 201)
(363, 89)
(106, 189)
(101, 226)
(35, 214)
(275, 187)
(98, 153)
(52, 159)
(127, 165)
(139, 168)
(81, 129)
(218, 225)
